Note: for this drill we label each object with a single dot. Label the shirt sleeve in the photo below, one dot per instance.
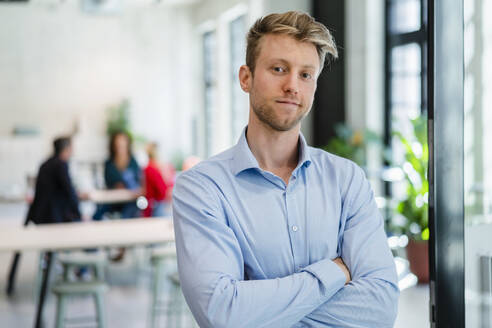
(371, 298)
(211, 268)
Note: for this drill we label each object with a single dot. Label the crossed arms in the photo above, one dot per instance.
(211, 267)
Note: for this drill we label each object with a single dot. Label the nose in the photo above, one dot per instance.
(291, 83)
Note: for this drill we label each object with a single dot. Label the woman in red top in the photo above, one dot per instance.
(157, 189)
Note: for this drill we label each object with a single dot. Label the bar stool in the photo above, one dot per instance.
(175, 302)
(63, 290)
(96, 261)
(69, 261)
(174, 305)
(158, 259)
(67, 288)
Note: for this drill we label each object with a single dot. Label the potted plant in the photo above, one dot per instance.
(350, 143)
(414, 207)
(119, 121)
(118, 118)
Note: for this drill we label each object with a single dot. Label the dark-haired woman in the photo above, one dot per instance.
(121, 171)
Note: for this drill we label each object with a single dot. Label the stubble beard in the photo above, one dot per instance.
(266, 115)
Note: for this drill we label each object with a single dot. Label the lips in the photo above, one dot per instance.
(288, 102)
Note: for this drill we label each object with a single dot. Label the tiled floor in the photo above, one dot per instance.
(128, 300)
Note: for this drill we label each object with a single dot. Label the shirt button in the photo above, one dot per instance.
(294, 228)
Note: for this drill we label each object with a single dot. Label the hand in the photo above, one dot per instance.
(338, 261)
(138, 192)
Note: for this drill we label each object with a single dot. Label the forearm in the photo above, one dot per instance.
(212, 269)
(365, 302)
(281, 302)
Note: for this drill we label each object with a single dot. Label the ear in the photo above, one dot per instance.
(245, 78)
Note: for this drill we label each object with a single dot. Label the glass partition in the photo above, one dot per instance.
(478, 162)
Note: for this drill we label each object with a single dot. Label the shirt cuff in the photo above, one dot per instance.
(329, 274)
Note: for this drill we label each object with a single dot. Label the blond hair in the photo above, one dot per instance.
(299, 25)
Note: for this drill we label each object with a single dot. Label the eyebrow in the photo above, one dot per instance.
(287, 62)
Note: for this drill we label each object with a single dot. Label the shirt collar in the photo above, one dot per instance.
(244, 159)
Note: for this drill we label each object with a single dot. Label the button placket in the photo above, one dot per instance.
(292, 213)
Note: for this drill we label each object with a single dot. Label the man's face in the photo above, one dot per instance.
(66, 153)
(282, 88)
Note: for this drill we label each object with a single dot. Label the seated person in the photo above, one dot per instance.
(55, 199)
(121, 171)
(156, 188)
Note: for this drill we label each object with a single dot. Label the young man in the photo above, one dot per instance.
(272, 232)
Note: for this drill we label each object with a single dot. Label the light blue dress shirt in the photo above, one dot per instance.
(255, 252)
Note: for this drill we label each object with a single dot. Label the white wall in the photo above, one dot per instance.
(61, 67)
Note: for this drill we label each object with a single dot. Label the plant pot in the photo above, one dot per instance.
(418, 256)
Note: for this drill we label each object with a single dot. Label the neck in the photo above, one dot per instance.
(62, 158)
(121, 160)
(275, 151)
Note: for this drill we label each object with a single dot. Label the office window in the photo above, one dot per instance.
(239, 101)
(405, 16)
(406, 95)
(210, 86)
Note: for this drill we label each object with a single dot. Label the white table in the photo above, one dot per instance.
(79, 235)
(112, 196)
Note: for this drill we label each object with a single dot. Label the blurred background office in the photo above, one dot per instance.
(165, 73)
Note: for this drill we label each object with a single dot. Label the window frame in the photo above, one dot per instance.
(393, 40)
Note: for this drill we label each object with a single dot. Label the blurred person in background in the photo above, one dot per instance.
(157, 190)
(55, 199)
(121, 171)
(190, 161)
